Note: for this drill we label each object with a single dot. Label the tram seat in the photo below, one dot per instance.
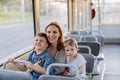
(89, 69)
(14, 75)
(89, 38)
(94, 46)
(84, 49)
(100, 39)
(95, 50)
(89, 65)
(56, 77)
(53, 77)
(90, 62)
(99, 36)
(83, 33)
(93, 38)
(73, 34)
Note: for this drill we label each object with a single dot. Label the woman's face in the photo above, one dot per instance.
(53, 34)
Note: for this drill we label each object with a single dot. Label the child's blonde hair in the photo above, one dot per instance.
(70, 42)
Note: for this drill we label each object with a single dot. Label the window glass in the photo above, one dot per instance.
(51, 11)
(16, 26)
(109, 10)
(82, 15)
(111, 14)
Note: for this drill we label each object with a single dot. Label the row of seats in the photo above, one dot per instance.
(91, 49)
(86, 36)
(93, 42)
(18, 75)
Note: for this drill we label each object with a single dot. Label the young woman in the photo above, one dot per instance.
(55, 37)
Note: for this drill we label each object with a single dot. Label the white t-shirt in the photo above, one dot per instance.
(79, 61)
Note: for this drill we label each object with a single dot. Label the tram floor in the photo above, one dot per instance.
(110, 71)
(111, 77)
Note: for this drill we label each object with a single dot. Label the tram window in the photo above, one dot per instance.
(16, 26)
(111, 12)
(81, 17)
(50, 11)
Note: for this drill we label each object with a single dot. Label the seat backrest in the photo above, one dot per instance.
(100, 39)
(47, 76)
(88, 38)
(95, 47)
(90, 62)
(83, 33)
(14, 75)
(99, 36)
(84, 49)
(74, 34)
(55, 77)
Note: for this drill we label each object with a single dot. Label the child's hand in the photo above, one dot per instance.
(29, 65)
(66, 73)
(11, 60)
(37, 63)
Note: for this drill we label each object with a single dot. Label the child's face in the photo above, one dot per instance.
(71, 51)
(40, 43)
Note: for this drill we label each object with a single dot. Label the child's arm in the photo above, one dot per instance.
(81, 69)
(39, 68)
(18, 65)
(36, 67)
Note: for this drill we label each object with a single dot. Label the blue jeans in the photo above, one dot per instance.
(34, 78)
